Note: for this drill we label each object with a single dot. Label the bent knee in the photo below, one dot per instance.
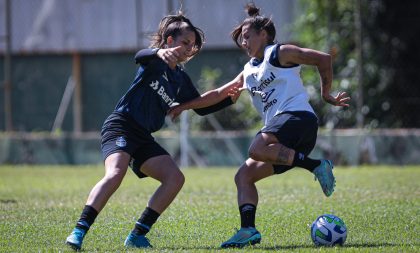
(175, 178)
(113, 178)
(256, 154)
(242, 177)
(238, 178)
(179, 179)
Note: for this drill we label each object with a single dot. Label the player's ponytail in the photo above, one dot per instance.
(252, 10)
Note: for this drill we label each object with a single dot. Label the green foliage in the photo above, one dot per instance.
(328, 26)
(39, 206)
(240, 116)
(392, 51)
(389, 58)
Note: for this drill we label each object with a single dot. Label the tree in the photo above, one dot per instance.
(393, 32)
(390, 53)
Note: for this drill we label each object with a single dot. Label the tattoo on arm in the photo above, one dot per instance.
(325, 80)
(326, 86)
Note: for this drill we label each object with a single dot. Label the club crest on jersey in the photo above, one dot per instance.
(255, 75)
(121, 142)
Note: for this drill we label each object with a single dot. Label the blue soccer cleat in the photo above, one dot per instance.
(325, 176)
(243, 237)
(75, 239)
(137, 241)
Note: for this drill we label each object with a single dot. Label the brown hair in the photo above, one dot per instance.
(174, 25)
(257, 22)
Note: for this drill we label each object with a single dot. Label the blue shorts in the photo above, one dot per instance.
(296, 130)
(121, 133)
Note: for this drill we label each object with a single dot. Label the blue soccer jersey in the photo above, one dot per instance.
(155, 88)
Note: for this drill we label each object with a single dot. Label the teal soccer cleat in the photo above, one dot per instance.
(75, 239)
(137, 241)
(325, 176)
(244, 237)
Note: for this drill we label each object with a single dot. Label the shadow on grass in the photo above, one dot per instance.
(346, 245)
(8, 201)
(375, 245)
(291, 247)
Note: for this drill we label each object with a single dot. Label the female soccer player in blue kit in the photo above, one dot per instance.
(126, 134)
(272, 78)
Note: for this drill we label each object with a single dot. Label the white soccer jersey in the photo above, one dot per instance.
(274, 90)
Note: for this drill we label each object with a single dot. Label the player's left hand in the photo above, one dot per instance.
(235, 92)
(340, 100)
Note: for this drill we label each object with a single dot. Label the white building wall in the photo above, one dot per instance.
(114, 25)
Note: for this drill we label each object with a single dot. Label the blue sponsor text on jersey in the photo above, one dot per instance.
(263, 83)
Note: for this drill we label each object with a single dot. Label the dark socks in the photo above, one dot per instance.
(146, 221)
(247, 212)
(87, 218)
(303, 161)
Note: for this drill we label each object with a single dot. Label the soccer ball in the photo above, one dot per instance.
(328, 230)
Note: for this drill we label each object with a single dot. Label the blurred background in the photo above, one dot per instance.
(66, 63)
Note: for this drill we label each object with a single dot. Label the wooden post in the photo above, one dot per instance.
(77, 97)
(8, 71)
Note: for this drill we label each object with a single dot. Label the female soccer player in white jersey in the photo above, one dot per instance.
(272, 78)
(127, 133)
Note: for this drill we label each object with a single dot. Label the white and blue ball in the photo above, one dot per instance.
(328, 230)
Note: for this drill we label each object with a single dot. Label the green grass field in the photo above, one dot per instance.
(380, 206)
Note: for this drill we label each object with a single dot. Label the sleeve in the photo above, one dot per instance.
(214, 108)
(189, 92)
(144, 56)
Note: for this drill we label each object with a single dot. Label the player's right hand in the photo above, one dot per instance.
(341, 99)
(235, 92)
(169, 55)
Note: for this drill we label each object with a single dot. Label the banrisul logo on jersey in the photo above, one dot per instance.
(262, 84)
(160, 90)
(265, 95)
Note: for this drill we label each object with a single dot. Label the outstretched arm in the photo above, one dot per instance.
(168, 55)
(289, 55)
(231, 91)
